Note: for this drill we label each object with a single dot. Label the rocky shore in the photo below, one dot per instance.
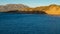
(26, 12)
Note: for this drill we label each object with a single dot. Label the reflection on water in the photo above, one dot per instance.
(29, 24)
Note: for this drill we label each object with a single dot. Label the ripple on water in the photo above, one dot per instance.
(29, 24)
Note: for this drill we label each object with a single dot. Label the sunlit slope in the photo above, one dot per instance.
(53, 10)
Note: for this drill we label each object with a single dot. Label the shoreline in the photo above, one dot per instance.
(26, 12)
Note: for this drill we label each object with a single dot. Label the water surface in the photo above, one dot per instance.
(29, 24)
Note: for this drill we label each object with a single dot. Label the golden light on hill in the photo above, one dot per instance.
(52, 9)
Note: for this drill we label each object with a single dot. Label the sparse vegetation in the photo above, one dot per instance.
(19, 8)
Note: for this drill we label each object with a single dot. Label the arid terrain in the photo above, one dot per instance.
(52, 9)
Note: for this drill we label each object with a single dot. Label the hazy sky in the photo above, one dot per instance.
(31, 3)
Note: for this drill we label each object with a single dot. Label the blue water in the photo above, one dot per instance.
(29, 24)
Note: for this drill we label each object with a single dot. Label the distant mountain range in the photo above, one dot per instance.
(10, 7)
(52, 9)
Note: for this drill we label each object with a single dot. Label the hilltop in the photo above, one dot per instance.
(10, 7)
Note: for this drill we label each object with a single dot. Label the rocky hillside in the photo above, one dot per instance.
(52, 9)
(10, 7)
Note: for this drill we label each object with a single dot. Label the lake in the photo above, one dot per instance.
(29, 24)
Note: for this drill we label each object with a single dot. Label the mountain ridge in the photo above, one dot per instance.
(52, 9)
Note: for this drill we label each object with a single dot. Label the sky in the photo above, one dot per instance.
(31, 3)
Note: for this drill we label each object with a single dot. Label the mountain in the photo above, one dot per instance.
(52, 9)
(10, 7)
